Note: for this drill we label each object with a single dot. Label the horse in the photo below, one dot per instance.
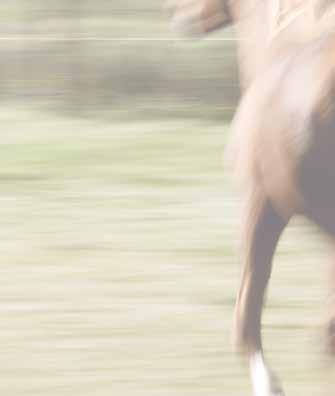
(284, 132)
(263, 26)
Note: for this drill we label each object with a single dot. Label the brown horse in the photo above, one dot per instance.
(284, 141)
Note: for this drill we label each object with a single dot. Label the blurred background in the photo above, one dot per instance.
(119, 220)
(89, 58)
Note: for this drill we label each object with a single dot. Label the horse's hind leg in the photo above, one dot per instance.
(323, 219)
(330, 321)
(263, 228)
(330, 326)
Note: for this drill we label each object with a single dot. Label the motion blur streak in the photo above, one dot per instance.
(118, 218)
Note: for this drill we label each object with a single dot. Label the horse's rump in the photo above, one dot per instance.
(275, 129)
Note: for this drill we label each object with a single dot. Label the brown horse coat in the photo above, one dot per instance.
(286, 113)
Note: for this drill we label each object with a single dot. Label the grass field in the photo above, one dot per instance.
(119, 267)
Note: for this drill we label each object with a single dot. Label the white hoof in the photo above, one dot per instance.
(264, 382)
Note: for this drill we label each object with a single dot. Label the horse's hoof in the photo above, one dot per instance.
(264, 381)
(275, 387)
(277, 392)
(271, 388)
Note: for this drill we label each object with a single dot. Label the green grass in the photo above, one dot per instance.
(119, 267)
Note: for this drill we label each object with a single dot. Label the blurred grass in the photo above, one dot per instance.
(119, 270)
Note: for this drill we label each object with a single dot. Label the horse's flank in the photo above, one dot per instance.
(274, 127)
